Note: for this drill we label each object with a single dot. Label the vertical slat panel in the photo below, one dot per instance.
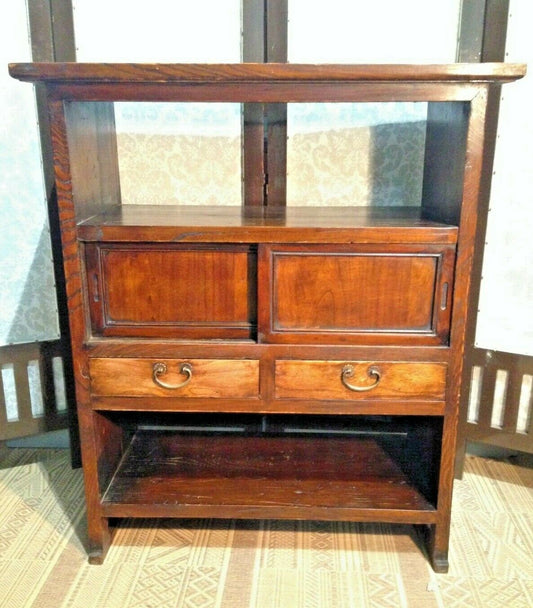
(3, 410)
(253, 31)
(277, 12)
(276, 117)
(253, 154)
(530, 412)
(499, 398)
(47, 381)
(22, 387)
(488, 387)
(511, 435)
(471, 33)
(265, 126)
(512, 399)
(494, 39)
(476, 379)
(19, 356)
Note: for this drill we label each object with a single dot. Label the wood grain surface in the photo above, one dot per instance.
(211, 378)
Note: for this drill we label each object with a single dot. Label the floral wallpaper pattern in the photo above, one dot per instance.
(179, 153)
(355, 154)
(28, 310)
(337, 154)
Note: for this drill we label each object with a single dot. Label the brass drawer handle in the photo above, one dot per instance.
(161, 368)
(348, 372)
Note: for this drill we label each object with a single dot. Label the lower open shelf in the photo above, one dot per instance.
(167, 473)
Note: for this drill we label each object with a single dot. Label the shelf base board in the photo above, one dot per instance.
(172, 474)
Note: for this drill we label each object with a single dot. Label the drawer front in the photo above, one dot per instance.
(124, 377)
(347, 380)
(171, 291)
(391, 295)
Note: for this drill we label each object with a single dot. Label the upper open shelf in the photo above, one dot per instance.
(447, 155)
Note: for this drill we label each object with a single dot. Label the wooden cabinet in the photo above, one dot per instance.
(268, 361)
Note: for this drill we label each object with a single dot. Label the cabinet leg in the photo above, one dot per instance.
(99, 540)
(436, 539)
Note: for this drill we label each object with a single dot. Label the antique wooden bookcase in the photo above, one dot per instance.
(334, 337)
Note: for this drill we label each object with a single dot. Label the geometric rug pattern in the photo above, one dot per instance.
(259, 564)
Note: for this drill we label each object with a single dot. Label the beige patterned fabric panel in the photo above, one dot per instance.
(363, 166)
(337, 154)
(259, 564)
(355, 153)
(180, 169)
(179, 153)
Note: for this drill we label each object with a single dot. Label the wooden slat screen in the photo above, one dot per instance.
(500, 409)
(18, 386)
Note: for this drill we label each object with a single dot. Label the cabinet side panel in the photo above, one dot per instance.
(93, 156)
(473, 173)
(109, 440)
(91, 447)
(442, 190)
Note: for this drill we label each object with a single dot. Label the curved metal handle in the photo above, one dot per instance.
(160, 368)
(348, 372)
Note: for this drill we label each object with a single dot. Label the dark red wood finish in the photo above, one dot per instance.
(145, 290)
(168, 474)
(384, 294)
(190, 278)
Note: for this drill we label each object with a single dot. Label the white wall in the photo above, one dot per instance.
(159, 31)
(505, 320)
(377, 31)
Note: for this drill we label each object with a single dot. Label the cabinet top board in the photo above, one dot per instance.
(94, 73)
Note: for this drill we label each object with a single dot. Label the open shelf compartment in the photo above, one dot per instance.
(281, 474)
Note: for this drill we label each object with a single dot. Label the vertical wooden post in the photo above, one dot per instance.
(482, 37)
(52, 39)
(276, 113)
(253, 130)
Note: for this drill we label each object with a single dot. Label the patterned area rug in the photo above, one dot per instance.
(259, 564)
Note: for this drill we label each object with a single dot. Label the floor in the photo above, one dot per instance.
(227, 564)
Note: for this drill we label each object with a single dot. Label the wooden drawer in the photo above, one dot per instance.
(171, 291)
(216, 378)
(330, 380)
(387, 294)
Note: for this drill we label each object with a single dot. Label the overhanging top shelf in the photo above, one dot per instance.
(265, 82)
(263, 72)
